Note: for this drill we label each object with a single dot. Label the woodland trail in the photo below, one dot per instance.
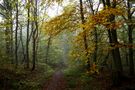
(57, 82)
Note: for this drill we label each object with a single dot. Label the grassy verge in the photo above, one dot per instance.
(77, 78)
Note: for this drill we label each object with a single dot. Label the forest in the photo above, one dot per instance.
(67, 44)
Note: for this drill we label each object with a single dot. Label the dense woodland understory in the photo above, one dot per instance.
(67, 44)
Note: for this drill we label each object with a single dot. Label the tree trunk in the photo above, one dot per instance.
(48, 48)
(96, 44)
(22, 45)
(84, 35)
(118, 69)
(27, 39)
(95, 33)
(33, 47)
(16, 36)
(130, 39)
(11, 40)
(35, 35)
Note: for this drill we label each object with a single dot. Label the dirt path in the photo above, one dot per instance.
(57, 82)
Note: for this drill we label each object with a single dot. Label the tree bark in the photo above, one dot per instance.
(130, 39)
(47, 49)
(27, 39)
(35, 35)
(118, 69)
(84, 35)
(16, 36)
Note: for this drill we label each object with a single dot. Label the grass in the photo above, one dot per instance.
(77, 78)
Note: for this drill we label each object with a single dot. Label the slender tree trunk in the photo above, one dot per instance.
(48, 48)
(96, 44)
(16, 36)
(27, 40)
(7, 39)
(7, 31)
(33, 47)
(22, 44)
(35, 35)
(84, 35)
(95, 33)
(11, 40)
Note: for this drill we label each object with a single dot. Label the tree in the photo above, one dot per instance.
(27, 39)
(130, 38)
(35, 34)
(6, 12)
(84, 35)
(118, 70)
(48, 48)
(16, 35)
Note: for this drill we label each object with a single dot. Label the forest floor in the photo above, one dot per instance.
(23, 79)
(57, 82)
(39, 79)
(104, 82)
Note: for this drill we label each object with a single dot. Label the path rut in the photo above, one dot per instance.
(57, 82)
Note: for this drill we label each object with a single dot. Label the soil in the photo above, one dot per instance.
(57, 82)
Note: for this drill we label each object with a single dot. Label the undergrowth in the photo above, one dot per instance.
(23, 79)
